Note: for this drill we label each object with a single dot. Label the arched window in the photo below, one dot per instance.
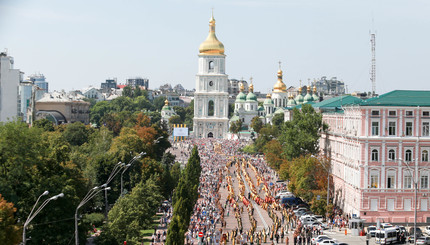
(408, 155)
(391, 155)
(211, 66)
(375, 155)
(211, 108)
(425, 156)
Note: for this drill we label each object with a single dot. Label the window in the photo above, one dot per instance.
(211, 65)
(407, 184)
(211, 83)
(374, 181)
(408, 128)
(391, 183)
(392, 113)
(425, 156)
(391, 155)
(211, 108)
(409, 113)
(426, 113)
(375, 128)
(375, 113)
(375, 155)
(426, 127)
(391, 128)
(408, 155)
(424, 181)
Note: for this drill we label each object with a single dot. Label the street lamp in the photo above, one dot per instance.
(112, 175)
(92, 193)
(32, 215)
(328, 177)
(416, 195)
(128, 166)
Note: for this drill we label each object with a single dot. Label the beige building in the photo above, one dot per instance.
(62, 108)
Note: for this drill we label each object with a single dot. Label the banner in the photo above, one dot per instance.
(180, 132)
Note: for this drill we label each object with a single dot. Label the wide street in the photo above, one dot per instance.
(237, 204)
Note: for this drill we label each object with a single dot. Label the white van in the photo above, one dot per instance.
(386, 236)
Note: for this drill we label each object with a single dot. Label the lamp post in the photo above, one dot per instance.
(328, 177)
(415, 180)
(128, 166)
(32, 215)
(92, 193)
(112, 175)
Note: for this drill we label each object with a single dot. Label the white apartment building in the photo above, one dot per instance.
(9, 83)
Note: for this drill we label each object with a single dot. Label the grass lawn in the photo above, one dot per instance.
(148, 233)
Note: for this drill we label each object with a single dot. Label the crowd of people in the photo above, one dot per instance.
(249, 184)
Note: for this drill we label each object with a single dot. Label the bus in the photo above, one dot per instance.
(386, 236)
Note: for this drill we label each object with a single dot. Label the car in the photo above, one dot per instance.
(427, 230)
(315, 239)
(300, 209)
(371, 230)
(341, 243)
(411, 238)
(386, 225)
(419, 231)
(320, 218)
(326, 242)
(319, 224)
(423, 240)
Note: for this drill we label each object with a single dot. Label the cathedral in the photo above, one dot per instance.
(212, 90)
(211, 95)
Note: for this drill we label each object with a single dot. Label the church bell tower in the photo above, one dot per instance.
(211, 96)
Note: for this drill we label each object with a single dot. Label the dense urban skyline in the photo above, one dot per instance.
(81, 43)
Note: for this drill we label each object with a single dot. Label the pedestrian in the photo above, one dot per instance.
(367, 238)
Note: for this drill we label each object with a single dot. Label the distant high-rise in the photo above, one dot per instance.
(9, 82)
(40, 81)
(138, 81)
(108, 85)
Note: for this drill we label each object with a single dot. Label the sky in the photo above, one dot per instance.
(80, 43)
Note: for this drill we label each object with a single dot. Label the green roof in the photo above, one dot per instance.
(251, 97)
(338, 102)
(400, 98)
(241, 97)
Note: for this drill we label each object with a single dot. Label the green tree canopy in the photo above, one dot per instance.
(256, 124)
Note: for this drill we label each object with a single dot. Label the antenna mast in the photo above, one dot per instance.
(373, 68)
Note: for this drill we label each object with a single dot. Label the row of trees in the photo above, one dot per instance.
(184, 199)
(72, 159)
(290, 147)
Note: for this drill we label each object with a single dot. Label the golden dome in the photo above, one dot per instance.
(211, 46)
(166, 102)
(241, 87)
(315, 89)
(268, 96)
(251, 88)
(279, 85)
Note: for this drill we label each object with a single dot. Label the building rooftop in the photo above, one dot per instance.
(337, 102)
(400, 98)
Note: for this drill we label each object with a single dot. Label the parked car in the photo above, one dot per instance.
(423, 240)
(320, 218)
(319, 224)
(427, 231)
(341, 243)
(325, 242)
(419, 231)
(371, 230)
(315, 239)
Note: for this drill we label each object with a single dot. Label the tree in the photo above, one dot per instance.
(300, 136)
(175, 236)
(10, 233)
(256, 124)
(175, 119)
(267, 133)
(278, 120)
(44, 124)
(159, 102)
(271, 152)
(133, 212)
(76, 133)
(127, 91)
(235, 127)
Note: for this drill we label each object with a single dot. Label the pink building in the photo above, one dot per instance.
(370, 143)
